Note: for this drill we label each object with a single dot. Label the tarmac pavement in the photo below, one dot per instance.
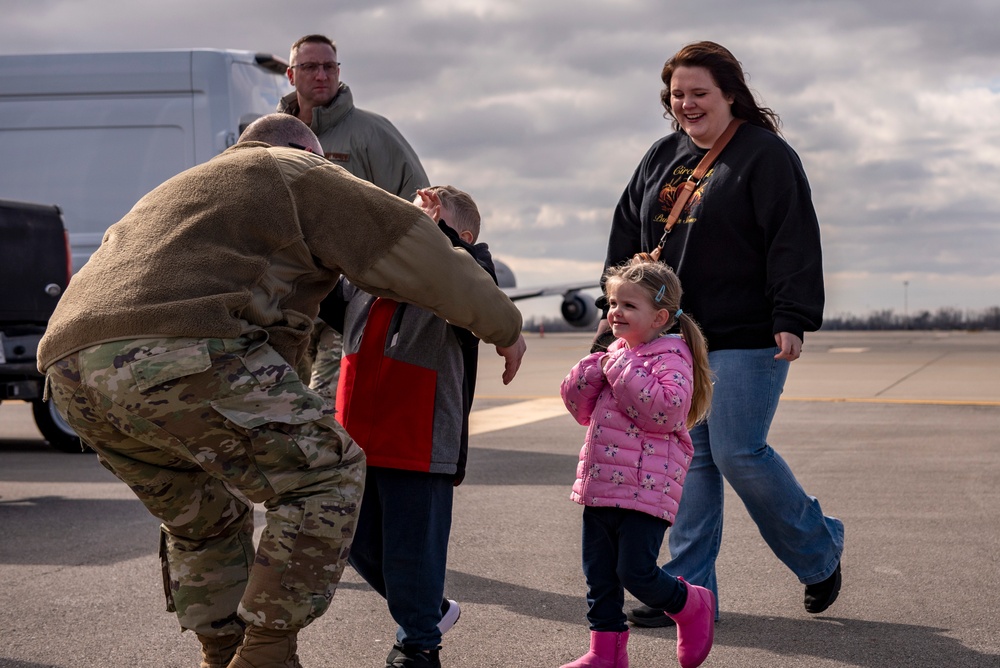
(897, 434)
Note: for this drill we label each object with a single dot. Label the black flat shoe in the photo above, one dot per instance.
(821, 595)
(647, 617)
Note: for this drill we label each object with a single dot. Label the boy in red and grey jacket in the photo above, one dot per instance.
(406, 387)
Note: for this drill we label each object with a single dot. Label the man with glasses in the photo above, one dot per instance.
(364, 143)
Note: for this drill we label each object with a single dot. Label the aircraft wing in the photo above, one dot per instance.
(577, 309)
(546, 290)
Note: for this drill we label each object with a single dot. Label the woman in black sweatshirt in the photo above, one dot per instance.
(747, 250)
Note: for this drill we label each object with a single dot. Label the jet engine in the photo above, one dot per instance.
(579, 310)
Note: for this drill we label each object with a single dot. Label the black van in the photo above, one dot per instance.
(34, 271)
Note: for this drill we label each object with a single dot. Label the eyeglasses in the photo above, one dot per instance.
(313, 68)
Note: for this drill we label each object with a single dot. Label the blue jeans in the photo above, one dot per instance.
(401, 548)
(620, 548)
(732, 444)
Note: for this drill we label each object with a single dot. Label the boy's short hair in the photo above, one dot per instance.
(464, 212)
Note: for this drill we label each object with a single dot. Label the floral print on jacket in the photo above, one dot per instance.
(637, 449)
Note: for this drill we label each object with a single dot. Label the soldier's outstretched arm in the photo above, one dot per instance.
(389, 248)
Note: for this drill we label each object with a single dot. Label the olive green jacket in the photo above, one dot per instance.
(252, 241)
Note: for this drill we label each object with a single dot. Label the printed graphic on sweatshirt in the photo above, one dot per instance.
(668, 195)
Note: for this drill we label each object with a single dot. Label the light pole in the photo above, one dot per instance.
(906, 305)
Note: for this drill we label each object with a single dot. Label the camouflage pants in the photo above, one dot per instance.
(326, 347)
(199, 428)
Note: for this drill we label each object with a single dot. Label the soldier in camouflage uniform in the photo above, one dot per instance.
(173, 355)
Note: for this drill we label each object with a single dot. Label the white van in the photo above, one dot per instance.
(93, 132)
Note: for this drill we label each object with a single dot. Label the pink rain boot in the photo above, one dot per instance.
(607, 650)
(695, 626)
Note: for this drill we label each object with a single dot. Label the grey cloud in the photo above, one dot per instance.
(542, 109)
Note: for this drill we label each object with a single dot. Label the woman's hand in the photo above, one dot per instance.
(790, 345)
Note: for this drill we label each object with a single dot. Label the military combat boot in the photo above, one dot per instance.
(267, 648)
(218, 652)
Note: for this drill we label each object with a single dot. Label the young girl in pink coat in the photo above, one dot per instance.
(638, 399)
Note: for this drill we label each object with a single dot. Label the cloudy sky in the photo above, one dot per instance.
(541, 109)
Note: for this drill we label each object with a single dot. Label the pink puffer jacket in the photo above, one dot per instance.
(637, 451)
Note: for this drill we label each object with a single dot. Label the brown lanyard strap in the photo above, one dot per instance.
(685, 190)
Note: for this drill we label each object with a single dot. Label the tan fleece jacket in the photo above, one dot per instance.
(254, 239)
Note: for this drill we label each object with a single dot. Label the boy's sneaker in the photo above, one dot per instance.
(406, 657)
(450, 612)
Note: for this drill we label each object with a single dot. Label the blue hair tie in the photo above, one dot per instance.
(680, 311)
(659, 294)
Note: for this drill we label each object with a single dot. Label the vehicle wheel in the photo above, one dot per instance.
(55, 430)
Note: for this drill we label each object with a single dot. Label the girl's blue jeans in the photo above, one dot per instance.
(732, 444)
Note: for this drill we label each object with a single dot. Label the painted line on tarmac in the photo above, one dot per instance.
(529, 409)
(879, 400)
(536, 409)
(515, 415)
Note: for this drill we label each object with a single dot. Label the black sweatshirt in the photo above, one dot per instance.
(753, 264)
